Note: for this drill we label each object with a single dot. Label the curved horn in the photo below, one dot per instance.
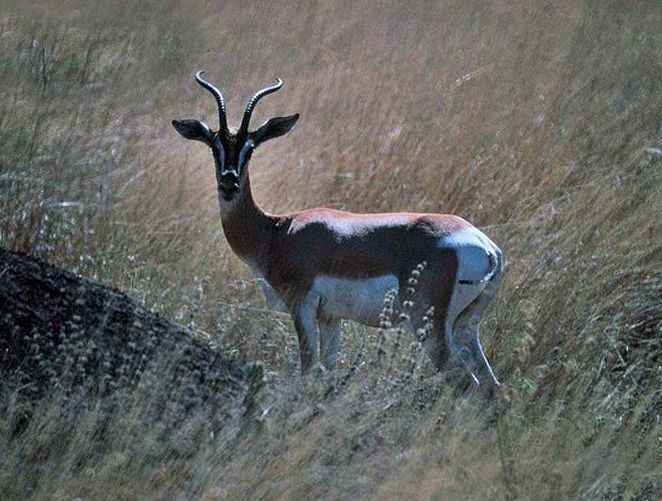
(220, 101)
(243, 129)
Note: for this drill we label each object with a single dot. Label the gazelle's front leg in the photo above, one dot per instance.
(329, 337)
(304, 315)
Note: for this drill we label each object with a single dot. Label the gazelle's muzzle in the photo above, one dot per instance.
(229, 184)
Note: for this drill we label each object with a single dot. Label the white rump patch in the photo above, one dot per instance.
(473, 253)
(473, 250)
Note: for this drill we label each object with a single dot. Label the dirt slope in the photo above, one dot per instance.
(61, 332)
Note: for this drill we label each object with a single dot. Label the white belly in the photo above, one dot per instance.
(359, 300)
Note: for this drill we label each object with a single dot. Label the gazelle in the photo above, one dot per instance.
(324, 265)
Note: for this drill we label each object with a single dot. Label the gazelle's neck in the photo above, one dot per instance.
(246, 226)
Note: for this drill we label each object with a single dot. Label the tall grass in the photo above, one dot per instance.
(539, 122)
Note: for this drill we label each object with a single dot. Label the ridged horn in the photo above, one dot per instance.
(220, 101)
(243, 129)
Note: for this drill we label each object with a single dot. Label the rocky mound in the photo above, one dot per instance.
(63, 334)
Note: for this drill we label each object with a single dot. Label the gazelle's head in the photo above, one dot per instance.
(232, 151)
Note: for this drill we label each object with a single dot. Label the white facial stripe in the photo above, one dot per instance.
(248, 145)
(221, 148)
(222, 159)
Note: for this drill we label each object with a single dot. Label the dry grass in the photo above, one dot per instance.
(538, 121)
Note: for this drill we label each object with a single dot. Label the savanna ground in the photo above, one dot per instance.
(538, 121)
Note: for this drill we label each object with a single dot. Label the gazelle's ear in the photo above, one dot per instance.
(273, 128)
(194, 129)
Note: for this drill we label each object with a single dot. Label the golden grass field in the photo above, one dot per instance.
(539, 122)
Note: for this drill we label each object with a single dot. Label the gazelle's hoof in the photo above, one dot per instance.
(314, 370)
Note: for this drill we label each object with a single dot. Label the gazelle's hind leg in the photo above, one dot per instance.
(463, 337)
